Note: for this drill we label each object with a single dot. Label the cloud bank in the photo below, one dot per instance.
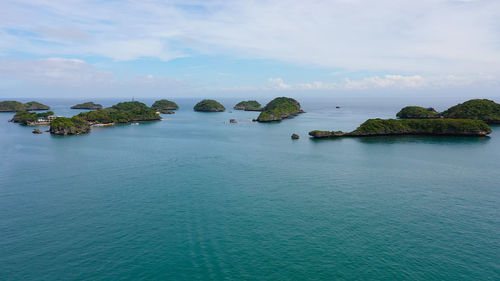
(412, 43)
(393, 35)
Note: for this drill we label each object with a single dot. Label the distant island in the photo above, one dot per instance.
(279, 109)
(250, 105)
(165, 106)
(87, 105)
(209, 106)
(470, 118)
(69, 126)
(417, 112)
(433, 127)
(476, 109)
(15, 106)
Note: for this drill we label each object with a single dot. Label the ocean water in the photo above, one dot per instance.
(194, 197)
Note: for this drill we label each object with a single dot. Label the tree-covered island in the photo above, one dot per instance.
(164, 106)
(279, 109)
(417, 112)
(121, 113)
(124, 112)
(432, 127)
(250, 105)
(209, 106)
(476, 109)
(87, 105)
(15, 106)
(69, 126)
(32, 118)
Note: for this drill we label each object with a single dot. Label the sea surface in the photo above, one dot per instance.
(194, 197)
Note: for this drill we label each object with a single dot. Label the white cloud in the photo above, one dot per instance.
(54, 71)
(388, 82)
(397, 81)
(54, 76)
(427, 36)
(277, 83)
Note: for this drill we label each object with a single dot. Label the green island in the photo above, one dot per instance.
(209, 106)
(69, 126)
(279, 109)
(15, 106)
(87, 105)
(32, 118)
(250, 105)
(123, 112)
(164, 106)
(476, 109)
(417, 112)
(431, 127)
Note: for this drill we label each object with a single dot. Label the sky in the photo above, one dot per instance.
(190, 48)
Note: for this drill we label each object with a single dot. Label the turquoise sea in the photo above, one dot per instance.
(194, 197)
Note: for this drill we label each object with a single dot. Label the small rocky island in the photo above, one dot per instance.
(476, 109)
(429, 127)
(279, 109)
(165, 106)
(250, 105)
(87, 105)
(15, 106)
(417, 112)
(209, 106)
(69, 126)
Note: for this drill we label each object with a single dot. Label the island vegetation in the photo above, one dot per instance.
(436, 127)
(26, 117)
(279, 109)
(250, 105)
(69, 126)
(476, 109)
(87, 105)
(165, 106)
(209, 106)
(417, 112)
(15, 106)
(124, 112)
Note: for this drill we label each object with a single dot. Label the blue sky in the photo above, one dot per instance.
(76, 48)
